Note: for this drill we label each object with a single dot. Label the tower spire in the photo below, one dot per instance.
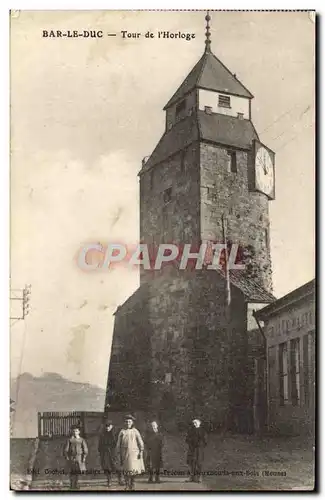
(207, 33)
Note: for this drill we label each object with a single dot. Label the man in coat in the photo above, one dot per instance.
(196, 440)
(129, 451)
(153, 445)
(107, 449)
(75, 452)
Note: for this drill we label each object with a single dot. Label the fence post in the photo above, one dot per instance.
(39, 422)
(83, 423)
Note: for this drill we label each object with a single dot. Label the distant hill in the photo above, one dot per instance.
(50, 392)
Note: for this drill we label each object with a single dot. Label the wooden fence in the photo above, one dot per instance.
(52, 424)
(55, 424)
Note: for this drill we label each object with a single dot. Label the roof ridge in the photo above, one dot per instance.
(231, 74)
(205, 57)
(189, 122)
(171, 100)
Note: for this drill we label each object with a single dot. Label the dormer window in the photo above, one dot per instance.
(224, 101)
(208, 110)
(180, 108)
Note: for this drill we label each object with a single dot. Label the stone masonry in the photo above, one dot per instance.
(178, 349)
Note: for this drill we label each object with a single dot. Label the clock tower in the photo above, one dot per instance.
(210, 164)
(189, 346)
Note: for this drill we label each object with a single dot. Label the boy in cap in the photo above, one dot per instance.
(106, 448)
(129, 450)
(196, 440)
(154, 444)
(75, 452)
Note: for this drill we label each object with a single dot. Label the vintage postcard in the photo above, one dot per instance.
(162, 283)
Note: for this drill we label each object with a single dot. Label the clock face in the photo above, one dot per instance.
(264, 171)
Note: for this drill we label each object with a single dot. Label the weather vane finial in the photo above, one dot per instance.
(207, 33)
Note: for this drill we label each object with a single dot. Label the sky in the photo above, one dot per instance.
(84, 112)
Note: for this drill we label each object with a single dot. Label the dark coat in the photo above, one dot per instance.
(106, 448)
(196, 440)
(153, 447)
(76, 451)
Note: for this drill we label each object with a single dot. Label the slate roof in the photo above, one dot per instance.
(225, 129)
(217, 128)
(252, 290)
(181, 135)
(288, 300)
(211, 74)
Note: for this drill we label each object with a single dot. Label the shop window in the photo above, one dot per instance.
(284, 388)
(309, 366)
(295, 372)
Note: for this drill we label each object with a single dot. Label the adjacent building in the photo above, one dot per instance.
(289, 327)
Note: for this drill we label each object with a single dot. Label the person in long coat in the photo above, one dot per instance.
(75, 451)
(107, 451)
(153, 447)
(196, 440)
(129, 451)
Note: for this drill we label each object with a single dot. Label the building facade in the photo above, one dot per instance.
(179, 345)
(289, 326)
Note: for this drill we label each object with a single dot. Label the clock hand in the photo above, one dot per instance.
(264, 167)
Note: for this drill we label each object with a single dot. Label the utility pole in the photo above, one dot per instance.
(228, 354)
(225, 242)
(23, 296)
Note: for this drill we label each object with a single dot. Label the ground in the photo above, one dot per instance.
(231, 463)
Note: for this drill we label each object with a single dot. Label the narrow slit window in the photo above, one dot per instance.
(167, 195)
(151, 179)
(232, 161)
(182, 160)
(180, 107)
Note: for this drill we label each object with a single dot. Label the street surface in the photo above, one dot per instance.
(235, 463)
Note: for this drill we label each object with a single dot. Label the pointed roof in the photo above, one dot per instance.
(211, 74)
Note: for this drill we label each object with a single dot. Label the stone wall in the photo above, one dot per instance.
(247, 214)
(178, 220)
(129, 371)
(194, 359)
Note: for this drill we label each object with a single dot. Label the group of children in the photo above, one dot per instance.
(127, 454)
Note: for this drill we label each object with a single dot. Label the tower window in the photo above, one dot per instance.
(182, 158)
(180, 107)
(167, 195)
(266, 234)
(232, 161)
(151, 179)
(224, 101)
